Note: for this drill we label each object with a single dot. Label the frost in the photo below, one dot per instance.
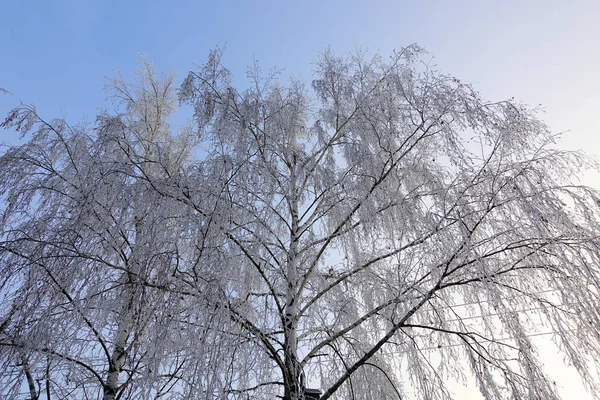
(330, 236)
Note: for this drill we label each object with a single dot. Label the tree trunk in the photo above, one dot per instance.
(294, 382)
(30, 380)
(293, 375)
(118, 356)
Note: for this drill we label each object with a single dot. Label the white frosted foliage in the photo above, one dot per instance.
(332, 234)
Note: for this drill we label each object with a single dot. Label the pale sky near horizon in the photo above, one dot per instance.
(56, 53)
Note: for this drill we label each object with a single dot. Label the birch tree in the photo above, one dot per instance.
(89, 251)
(341, 235)
(368, 204)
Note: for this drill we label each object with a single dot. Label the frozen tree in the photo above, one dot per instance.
(341, 235)
(89, 251)
(364, 208)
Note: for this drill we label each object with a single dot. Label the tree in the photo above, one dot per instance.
(298, 236)
(88, 250)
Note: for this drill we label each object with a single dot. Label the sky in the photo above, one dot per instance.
(56, 54)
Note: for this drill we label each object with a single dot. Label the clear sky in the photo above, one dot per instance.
(55, 54)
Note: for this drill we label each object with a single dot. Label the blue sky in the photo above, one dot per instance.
(55, 54)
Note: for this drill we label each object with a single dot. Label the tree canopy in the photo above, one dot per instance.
(334, 235)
